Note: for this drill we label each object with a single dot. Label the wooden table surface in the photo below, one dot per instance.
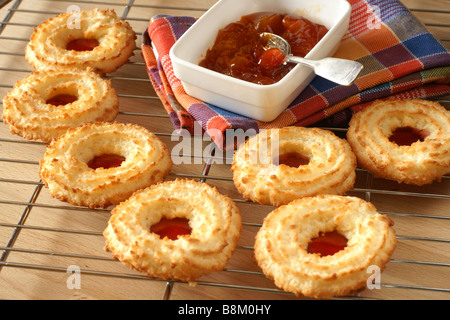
(43, 240)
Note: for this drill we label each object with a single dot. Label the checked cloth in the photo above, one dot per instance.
(401, 60)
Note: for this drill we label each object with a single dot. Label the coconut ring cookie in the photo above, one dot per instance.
(80, 39)
(403, 140)
(282, 245)
(280, 165)
(102, 164)
(44, 105)
(213, 218)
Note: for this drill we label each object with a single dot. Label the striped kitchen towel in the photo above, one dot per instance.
(401, 60)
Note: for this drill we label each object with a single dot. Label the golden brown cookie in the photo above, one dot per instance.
(280, 165)
(283, 245)
(44, 105)
(143, 232)
(403, 140)
(102, 164)
(95, 38)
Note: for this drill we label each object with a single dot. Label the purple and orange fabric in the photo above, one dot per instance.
(401, 59)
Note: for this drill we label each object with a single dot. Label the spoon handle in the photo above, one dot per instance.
(341, 71)
(300, 60)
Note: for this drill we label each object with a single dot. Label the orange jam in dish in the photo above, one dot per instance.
(171, 228)
(271, 59)
(82, 44)
(327, 244)
(239, 50)
(106, 161)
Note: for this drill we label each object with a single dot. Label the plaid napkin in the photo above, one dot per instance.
(401, 60)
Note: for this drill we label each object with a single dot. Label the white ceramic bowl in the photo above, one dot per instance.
(260, 102)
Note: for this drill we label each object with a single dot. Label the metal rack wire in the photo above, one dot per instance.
(368, 187)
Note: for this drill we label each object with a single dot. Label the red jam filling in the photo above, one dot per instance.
(82, 44)
(61, 99)
(327, 244)
(292, 159)
(106, 161)
(239, 50)
(406, 136)
(171, 228)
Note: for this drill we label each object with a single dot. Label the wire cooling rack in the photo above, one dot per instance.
(45, 244)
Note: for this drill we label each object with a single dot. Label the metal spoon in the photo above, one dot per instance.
(340, 71)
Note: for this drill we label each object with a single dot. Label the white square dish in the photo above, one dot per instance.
(260, 102)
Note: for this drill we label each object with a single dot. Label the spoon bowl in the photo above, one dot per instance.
(340, 71)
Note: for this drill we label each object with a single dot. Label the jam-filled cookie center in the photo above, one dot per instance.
(292, 159)
(106, 161)
(61, 99)
(82, 44)
(61, 94)
(171, 228)
(406, 136)
(327, 244)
